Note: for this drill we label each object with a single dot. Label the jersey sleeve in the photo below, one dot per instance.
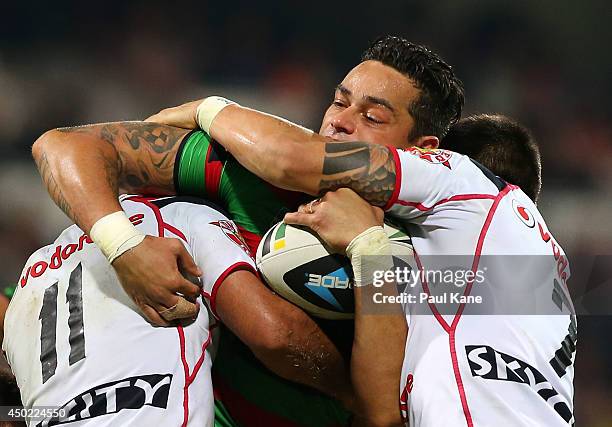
(428, 178)
(219, 250)
(199, 166)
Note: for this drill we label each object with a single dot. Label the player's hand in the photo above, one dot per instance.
(183, 116)
(151, 275)
(337, 217)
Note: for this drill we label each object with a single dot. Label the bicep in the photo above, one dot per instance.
(146, 152)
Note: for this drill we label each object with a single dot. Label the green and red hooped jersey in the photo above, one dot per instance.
(247, 393)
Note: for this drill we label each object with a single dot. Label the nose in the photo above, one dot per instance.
(344, 121)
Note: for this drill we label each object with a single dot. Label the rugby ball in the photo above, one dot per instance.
(299, 267)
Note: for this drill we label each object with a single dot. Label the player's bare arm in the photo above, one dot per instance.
(340, 218)
(292, 157)
(83, 169)
(282, 336)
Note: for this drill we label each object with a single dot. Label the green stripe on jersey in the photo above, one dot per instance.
(222, 417)
(191, 173)
(251, 202)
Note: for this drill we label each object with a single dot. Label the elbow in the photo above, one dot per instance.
(45, 144)
(281, 346)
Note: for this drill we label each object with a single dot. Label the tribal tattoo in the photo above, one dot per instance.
(145, 154)
(368, 169)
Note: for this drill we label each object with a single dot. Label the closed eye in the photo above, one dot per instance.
(373, 119)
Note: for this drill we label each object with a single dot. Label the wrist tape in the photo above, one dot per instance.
(208, 110)
(114, 234)
(370, 251)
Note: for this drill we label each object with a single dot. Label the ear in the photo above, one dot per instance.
(429, 141)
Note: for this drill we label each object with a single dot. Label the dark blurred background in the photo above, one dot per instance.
(545, 63)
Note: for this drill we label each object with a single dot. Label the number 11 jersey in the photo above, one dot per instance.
(77, 342)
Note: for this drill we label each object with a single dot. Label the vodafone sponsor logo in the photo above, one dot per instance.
(527, 218)
(62, 253)
(560, 258)
(523, 214)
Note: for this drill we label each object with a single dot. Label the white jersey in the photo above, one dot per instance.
(506, 360)
(76, 341)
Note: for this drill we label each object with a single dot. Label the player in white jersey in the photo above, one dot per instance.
(76, 341)
(400, 93)
(507, 359)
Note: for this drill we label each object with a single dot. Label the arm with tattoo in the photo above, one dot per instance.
(291, 157)
(84, 167)
(367, 169)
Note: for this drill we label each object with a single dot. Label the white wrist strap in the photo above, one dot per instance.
(114, 234)
(370, 251)
(208, 110)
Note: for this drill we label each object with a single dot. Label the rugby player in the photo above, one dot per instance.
(83, 168)
(92, 355)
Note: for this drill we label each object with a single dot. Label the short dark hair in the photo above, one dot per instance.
(441, 92)
(503, 146)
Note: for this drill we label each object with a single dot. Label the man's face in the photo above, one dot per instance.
(371, 105)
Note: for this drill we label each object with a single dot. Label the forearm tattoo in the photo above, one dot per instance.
(368, 169)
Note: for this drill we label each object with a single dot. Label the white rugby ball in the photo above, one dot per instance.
(298, 266)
